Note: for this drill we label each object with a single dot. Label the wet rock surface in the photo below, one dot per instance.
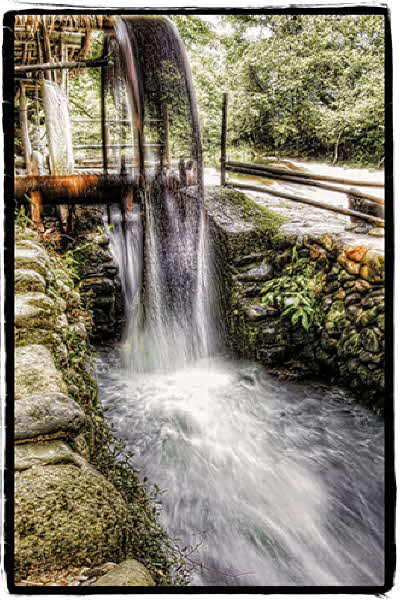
(35, 372)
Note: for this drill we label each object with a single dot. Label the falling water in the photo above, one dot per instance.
(277, 483)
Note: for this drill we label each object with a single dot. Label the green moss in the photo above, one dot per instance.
(262, 217)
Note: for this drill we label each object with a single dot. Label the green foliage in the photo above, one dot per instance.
(309, 85)
(21, 220)
(293, 293)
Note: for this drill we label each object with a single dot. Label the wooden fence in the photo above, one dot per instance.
(300, 177)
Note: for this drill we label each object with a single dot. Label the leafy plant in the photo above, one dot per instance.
(22, 220)
(293, 293)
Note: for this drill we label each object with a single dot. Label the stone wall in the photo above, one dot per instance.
(79, 508)
(88, 246)
(342, 337)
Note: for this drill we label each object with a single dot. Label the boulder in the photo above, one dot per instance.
(34, 310)
(35, 372)
(27, 455)
(258, 273)
(128, 573)
(47, 415)
(26, 280)
(31, 259)
(66, 516)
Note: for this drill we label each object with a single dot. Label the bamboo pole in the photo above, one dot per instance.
(303, 174)
(300, 180)
(223, 136)
(62, 65)
(362, 216)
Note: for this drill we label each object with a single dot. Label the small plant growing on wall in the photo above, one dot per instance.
(293, 293)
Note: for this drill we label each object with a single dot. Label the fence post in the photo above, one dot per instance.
(223, 136)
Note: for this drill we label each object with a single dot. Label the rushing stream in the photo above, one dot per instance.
(282, 483)
(277, 483)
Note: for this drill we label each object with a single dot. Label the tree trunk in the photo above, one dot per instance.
(336, 150)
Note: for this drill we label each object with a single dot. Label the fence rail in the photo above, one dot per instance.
(298, 177)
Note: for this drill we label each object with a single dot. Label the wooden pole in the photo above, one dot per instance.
(362, 216)
(309, 176)
(23, 119)
(265, 173)
(31, 163)
(103, 119)
(223, 136)
(48, 66)
(47, 51)
(36, 198)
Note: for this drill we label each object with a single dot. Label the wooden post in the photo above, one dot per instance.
(223, 136)
(47, 50)
(36, 197)
(23, 118)
(104, 140)
(32, 167)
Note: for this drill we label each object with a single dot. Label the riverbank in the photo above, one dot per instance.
(304, 295)
(80, 508)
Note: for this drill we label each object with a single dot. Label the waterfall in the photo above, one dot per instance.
(175, 325)
(162, 246)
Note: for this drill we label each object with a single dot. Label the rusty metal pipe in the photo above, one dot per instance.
(87, 189)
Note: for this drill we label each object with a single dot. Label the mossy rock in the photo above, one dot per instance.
(67, 516)
(34, 310)
(27, 455)
(26, 280)
(35, 372)
(47, 415)
(129, 573)
(31, 259)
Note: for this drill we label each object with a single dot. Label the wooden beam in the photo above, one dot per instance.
(62, 65)
(87, 189)
(307, 175)
(297, 199)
